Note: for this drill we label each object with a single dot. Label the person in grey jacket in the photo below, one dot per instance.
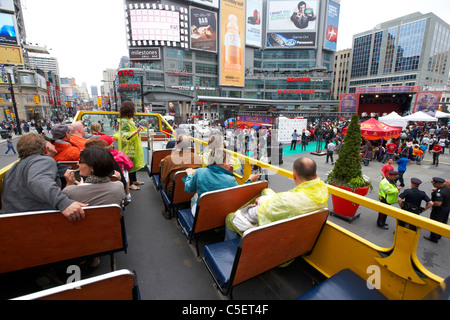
(32, 184)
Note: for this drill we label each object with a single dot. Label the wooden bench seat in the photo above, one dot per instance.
(261, 249)
(179, 197)
(344, 285)
(214, 206)
(347, 285)
(154, 167)
(38, 238)
(116, 285)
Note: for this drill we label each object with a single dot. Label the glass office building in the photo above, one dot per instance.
(409, 51)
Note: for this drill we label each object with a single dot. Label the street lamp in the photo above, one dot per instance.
(13, 99)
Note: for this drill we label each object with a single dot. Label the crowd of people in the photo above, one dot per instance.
(45, 177)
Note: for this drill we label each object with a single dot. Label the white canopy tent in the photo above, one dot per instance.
(440, 115)
(394, 119)
(420, 116)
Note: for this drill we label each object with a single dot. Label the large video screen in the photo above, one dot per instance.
(157, 24)
(8, 34)
(292, 23)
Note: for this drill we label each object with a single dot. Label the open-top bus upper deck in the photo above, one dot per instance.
(167, 267)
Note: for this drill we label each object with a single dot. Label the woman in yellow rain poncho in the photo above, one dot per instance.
(129, 141)
(309, 195)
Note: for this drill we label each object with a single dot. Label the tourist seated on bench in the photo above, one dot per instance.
(310, 194)
(32, 184)
(217, 175)
(97, 165)
(180, 159)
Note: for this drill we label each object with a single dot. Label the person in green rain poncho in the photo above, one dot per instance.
(309, 195)
(129, 141)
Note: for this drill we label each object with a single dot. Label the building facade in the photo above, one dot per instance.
(280, 50)
(341, 75)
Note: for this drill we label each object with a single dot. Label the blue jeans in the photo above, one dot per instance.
(10, 148)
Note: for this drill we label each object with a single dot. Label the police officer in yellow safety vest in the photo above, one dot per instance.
(388, 193)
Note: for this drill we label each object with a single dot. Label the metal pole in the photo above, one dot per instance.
(115, 97)
(13, 99)
(142, 93)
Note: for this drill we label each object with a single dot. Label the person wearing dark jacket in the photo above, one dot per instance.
(32, 184)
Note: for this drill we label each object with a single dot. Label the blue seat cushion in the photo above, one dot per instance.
(186, 220)
(344, 285)
(156, 179)
(165, 197)
(220, 258)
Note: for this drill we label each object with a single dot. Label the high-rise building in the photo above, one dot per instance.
(341, 77)
(396, 65)
(278, 50)
(409, 51)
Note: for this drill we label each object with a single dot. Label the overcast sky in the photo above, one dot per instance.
(88, 36)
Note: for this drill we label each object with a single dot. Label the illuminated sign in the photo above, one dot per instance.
(299, 79)
(125, 73)
(297, 91)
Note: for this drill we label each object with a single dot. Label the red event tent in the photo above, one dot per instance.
(373, 129)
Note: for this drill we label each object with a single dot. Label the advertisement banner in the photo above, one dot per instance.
(292, 23)
(49, 92)
(349, 103)
(291, 40)
(203, 31)
(331, 32)
(428, 102)
(232, 42)
(253, 34)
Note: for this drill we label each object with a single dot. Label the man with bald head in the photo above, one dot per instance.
(77, 137)
(310, 194)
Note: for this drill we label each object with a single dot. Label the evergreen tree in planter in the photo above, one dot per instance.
(347, 171)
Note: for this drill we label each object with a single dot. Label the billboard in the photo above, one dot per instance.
(254, 14)
(331, 32)
(232, 42)
(292, 23)
(427, 102)
(8, 34)
(203, 31)
(11, 55)
(349, 103)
